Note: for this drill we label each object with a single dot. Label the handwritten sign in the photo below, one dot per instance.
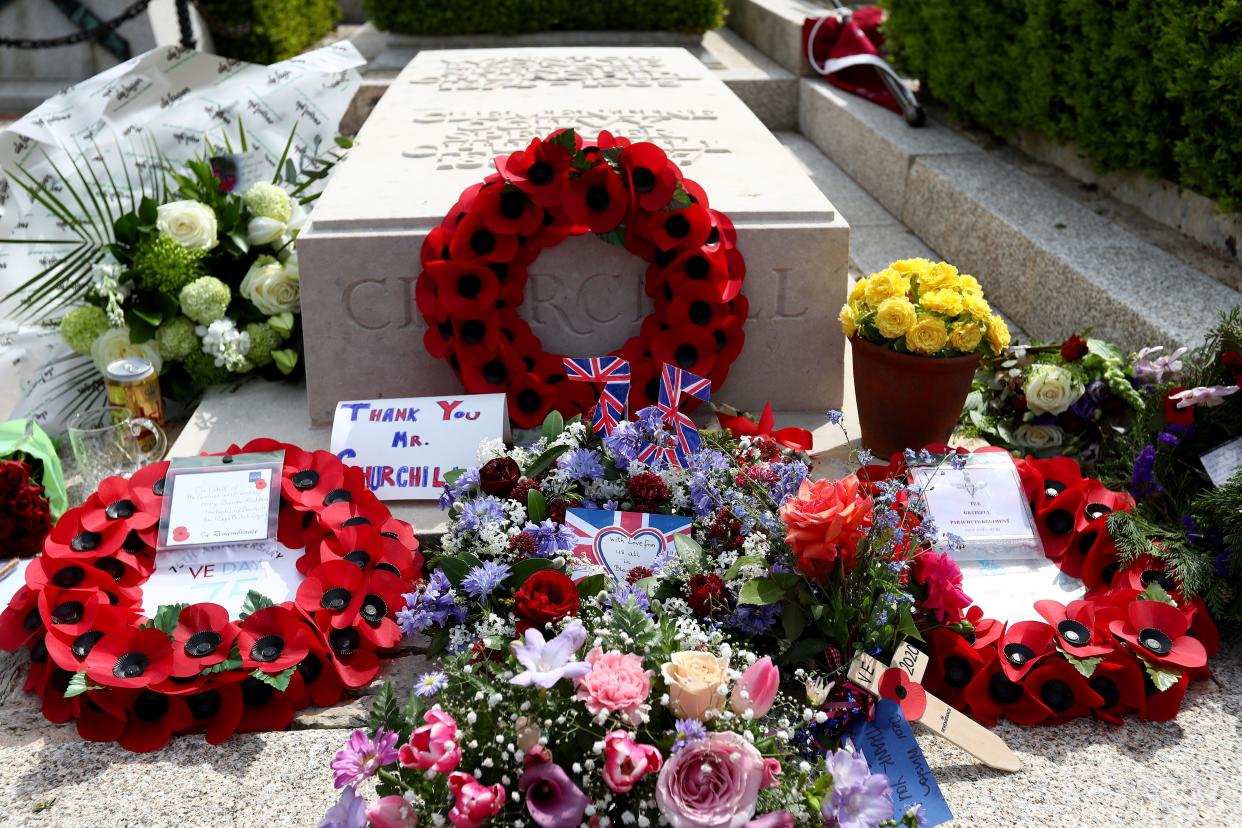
(220, 500)
(889, 745)
(1221, 462)
(221, 575)
(406, 446)
(621, 541)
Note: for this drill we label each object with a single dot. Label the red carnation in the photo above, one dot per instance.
(648, 491)
(547, 596)
(1074, 348)
(499, 476)
(13, 475)
(706, 594)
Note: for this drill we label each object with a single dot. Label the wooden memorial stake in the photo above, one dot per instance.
(939, 717)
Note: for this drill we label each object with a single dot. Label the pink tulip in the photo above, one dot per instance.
(626, 761)
(391, 812)
(433, 746)
(475, 802)
(756, 689)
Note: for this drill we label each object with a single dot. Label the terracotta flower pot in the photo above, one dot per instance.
(907, 401)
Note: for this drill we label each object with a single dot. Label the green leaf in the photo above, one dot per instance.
(591, 585)
(690, 552)
(906, 628)
(148, 211)
(286, 360)
(760, 591)
(1163, 679)
(386, 710)
(744, 560)
(681, 199)
(524, 569)
(456, 568)
(140, 330)
(1086, 666)
(801, 650)
(544, 461)
(233, 662)
(451, 477)
(536, 506)
(1155, 592)
(165, 619)
(254, 602)
(794, 621)
(242, 243)
(614, 237)
(278, 680)
(78, 684)
(413, 709)
(553, 425)
(566, 140)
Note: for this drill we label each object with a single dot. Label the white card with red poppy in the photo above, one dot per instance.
(622, 541)
(212, 502)
(221, 575)
(406, 446)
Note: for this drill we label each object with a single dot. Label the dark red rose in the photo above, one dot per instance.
(1019, 405)
(648, 491)
(37, 522)
(707, 595)
(13, 475)
(27, 502)
(8, 525)
(499, 476)
(546, 596)
(637, 574)
(1074, 348)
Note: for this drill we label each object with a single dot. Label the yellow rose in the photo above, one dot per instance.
(884, 284)
(846, 318)
(976, 306)
(969, 285)
(911, 267)
(998, 333)
(696, 682)
(945, 301)
(927, 336)
(965, 338)
(858, 291)
(895, 316)
(939, 276)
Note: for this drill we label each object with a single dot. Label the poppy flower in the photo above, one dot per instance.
(321, 685)
(991, 696)
(218, 708)
(203, 638)
(1162, 705)
(723, 234)
(1157, 632)
(70, 538)
(1100, 565)
(435, 246)
(307, 478)
(987, 630)
(798, 439)
(530, 400)
(360, 545)
(69, 650)
(1096, 504)
(466, 290)
(507, 210)
(130, 657)
(473, 340)
(349, 656)
(1022, 646)
(696, 303)
(688, 347)
(153, 719)
(334, 588)
(1202, 627)
(272, 640)
(69, 611)
(896, 686)
(652, 179)
(146, 487)
(474, 240)
(1060, 690)
(952, 664)
(494, 375)
(1057, 520)
(266, 708)
(1145, 571)
(67, 573)
(112, 503)
(681, 229)
(382, 597)
(1118, 680)
(1081, 628)
(1044, 479)
(596, 199)
(50, 682)
(20, 621)
(1174, 415)
(100, 717)
(541, 170)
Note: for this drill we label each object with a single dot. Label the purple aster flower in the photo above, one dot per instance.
(550, 537)
(687, 731)
(703, 494)
(474, 513)
(465, 483)
(552, 798)
(547, 662)
(430, 684)
(481, 581)
(350, 811)
(582, 464)
(624, 444)
(363, 756)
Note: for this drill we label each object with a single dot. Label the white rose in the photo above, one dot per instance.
(1038, 436)
(263, 230)
(271, 286)
(190, 224)
(1050, 389)
(114, 344)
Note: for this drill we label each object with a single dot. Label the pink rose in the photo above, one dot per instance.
(475, 803)
(756, 689)
(617, 684)
(433, 746)
(626, 761)
(711, 783)
(771, 773)
(391, 812)
(824, 522)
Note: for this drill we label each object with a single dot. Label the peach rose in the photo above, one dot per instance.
(696, 684)
(823, 523)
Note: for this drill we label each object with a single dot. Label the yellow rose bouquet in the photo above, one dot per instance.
(929, 309)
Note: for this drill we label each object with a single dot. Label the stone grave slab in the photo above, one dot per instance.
(449, 113)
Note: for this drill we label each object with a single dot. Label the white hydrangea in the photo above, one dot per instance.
(106, 284)
(489, 449)
(222, 340)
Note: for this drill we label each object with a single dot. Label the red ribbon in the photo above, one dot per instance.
(794, 438)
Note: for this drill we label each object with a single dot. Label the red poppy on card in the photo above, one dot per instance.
(680, 229)
(203, 638)
(651, 177)
(130, 657)
(334, 589)
(541, 170)
(272, 640)
(1024, 645)
(952, 664)
(153, 719)
(1118, 680)
(991, 695)
(1158, 633)
(1174, 415)
(1060, 690)
(596, 199)
(111, 504)
(1081, 629)
(508, 211)
(474, 241)
(910, 696)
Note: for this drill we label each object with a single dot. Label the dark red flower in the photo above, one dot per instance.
(521, 491)
(1157, 632)
(637, 574)
(499, 476)
(508, 211)
(1118, 680)
(1174, 415)
(952, 664)
(706, 594)
(1024, 645)
(652, 178)
(1232, 362)
(523, 544)
(895, 685)
(541, 170)
(100, 717)
(1060, 690)
(546, 597)
(474, 240)
(153, 719)
(130, 657)
(203, 638)
(648, 492)
(13, 477)
(272, 640)
(1073, 349)
(1081, 628)
(596, 199)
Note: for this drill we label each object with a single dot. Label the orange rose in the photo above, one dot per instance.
(823, 522)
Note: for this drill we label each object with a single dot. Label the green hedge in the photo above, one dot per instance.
(1152, 86)
(265, 31)
(518, 16)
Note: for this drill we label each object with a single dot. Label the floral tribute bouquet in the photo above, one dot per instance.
(1070, 399)
(32, 488)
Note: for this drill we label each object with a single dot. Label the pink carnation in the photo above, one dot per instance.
(938, 572)
(617, 684)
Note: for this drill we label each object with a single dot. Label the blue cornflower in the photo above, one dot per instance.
(624, 594)
(835, 417)
(703, 494)
(624, 444)
(753, 619)
(651, 421)
(474, 513)
(550, 537)
(789, 477)
(582, 464)
(687, 731)
(430, 684)
(481, 581)
(433, 604)
(465, 482)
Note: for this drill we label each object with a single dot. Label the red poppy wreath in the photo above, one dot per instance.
(138, 681)
(475, 266)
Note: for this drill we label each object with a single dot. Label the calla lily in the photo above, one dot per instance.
(263, 230)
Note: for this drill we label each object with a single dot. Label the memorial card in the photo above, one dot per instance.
(1222, 461)
(889, 745)
(622, 541)
(212, 501)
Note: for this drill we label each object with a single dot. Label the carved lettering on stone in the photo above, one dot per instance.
(491, 73)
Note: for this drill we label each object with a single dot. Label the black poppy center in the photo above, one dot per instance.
(335, 599)
(304, 480)
(494, 372)
(150, 707)
(469, 285)
(1157, 641)
(69, 577)
(700, 313)
(268, 648)
(1074, 633)
(84, 643)
(133, 543)
(1018, 654)
(1057, 695)
(482, 242)
(120, 509)
(1052, 488)
(1107, 688)
(540, 173)
(1095, 510)
(1156, 576)
(1060, 521)
(357, 521)
(644, 180)
(686, 356)
(1108, 572)
(204, 705)
(900, 691)
(512, 203)
(664, 258)
(359, 558)
(85, 541)
(69, 612)
(345, 641)
(697, 267)
(310, 668)
(528, 400)
(337, 496)
(713, 238)
(130, 665)
(472, 332)
(157, 488)
(957, 671)
(111, 566)
(597, 198)
(38, 653)
(677, 226)
(374, 609)
(1003, 690)
(203, 644)
(1085, 541)
(33, 620)
(387, 567)
(256, 693)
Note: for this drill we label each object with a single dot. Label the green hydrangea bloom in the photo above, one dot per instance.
(269, 201)
(80, 327)
(162, 265)
(203, 370)
(176, 338)
(205, 299)
(263, 340)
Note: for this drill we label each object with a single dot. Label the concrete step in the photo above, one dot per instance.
(775, 28)
(1056, 265)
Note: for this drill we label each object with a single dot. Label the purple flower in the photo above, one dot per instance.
(474, 513)
(650, 421)
(547, 662)
(1154, 370)
(1098, 391)
(1085, 406)
(432, 604)
(482, 581)
(550, 537)
(466, 481)
(1143, 477)
(1207, 396)
(350, 811)
(789, 477)
(363, 756)
(582, 464)
(624, 444)
(687, 731)
(625, 594)
(552, 798)
(860, 798)
(753, 619)
(430, 684)
(835, 417)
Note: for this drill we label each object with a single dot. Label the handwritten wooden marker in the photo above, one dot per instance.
(939, 717)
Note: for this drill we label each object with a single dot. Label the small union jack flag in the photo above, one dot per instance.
(613, 373)
(674, 382)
